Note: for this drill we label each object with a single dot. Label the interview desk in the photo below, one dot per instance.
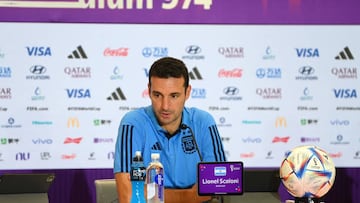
(253, 197)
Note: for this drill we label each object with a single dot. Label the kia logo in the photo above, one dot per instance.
(231, 91)
(193, 49)
(306, 70)
(37, 69)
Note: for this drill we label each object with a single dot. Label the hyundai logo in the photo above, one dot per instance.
(306, 70)
(37, 69)
(193, 49)
(231, 91)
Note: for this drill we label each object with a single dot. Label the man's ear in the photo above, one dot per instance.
(188, 92)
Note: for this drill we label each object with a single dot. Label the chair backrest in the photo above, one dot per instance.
(106, 191)
(25, 188)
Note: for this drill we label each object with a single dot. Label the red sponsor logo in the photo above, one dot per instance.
(335, 155)
(68, 156)
(116, 52)
(69, 140)
(247, 155)
(235, 73)
(281, 139)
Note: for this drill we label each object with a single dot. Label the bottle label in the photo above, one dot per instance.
(138, 174)
(159, 180)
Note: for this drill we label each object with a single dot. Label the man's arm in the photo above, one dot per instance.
(184, 195)
(123, 187)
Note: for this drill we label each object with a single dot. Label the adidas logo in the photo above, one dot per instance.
(195, 74)
(345, 54)
(117, 95)
(156, 146)
(78, 53)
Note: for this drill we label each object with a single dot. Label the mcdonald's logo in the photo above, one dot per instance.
(280, 122)
(73, 123)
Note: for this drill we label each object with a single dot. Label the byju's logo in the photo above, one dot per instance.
(78, 93)
(78, 53)
(345, 55)
(307, 52)
(38, 51)
(345, 93)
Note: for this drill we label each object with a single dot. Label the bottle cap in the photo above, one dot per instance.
(138, 153)
(155, 156)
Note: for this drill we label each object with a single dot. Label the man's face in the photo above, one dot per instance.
(168, 98)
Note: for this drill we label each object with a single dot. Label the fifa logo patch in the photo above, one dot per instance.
(188, 144)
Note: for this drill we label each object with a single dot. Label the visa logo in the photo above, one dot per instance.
(307, 52)
(78, 93)
(38, 51)
(220, 171)
(345, 93)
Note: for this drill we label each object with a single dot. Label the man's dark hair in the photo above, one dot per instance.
(168, 67)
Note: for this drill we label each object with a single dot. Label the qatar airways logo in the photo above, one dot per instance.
(234, 73)
(231, 52)
(345, 73)
(269, 93)
(119, 52)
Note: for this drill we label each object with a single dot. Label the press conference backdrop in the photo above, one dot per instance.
(65, 87)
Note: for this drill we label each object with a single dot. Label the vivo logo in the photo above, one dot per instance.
(42, 141)
(251, 140)
(38, 51)
(307, 52)
(78, 93)
(345, 93)
(340, 122)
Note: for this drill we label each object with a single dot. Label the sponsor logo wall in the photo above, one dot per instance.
(64, 89)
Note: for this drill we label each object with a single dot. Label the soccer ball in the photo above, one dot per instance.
(307, 171)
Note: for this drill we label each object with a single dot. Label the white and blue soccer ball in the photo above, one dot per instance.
(307, 171)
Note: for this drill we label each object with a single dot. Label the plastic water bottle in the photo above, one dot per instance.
(137, 175)
(155, 180)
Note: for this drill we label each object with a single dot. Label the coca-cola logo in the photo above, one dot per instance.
(116, 52)
(234, 73)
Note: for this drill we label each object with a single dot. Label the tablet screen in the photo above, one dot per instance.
(220, 178)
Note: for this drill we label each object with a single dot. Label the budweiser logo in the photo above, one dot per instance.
(281, 139)
(69, 140)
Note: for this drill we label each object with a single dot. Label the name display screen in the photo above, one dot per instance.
(220, 178)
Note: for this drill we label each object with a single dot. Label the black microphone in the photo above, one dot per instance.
(184, 127)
